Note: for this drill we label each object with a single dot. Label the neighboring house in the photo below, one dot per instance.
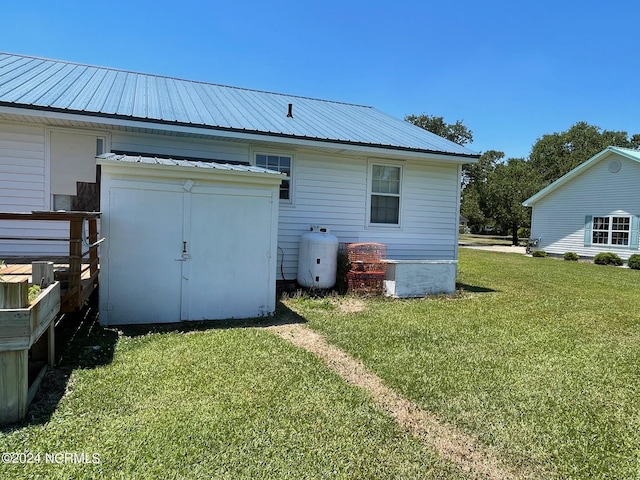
(594, 208)
(367, 176)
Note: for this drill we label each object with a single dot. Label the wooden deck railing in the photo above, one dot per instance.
(79, 260)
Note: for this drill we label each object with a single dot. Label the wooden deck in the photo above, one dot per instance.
(77, 272)
(19, 272)
(72, 296)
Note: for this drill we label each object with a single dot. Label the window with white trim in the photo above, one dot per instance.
(385, 187)
(280, 163)
(611, 230)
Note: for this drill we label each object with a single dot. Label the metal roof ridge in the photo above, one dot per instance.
(200, 82)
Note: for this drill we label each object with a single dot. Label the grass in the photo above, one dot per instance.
(219, 403)
(537, 357)
(482, 240)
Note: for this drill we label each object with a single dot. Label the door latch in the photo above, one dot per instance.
(185, 254)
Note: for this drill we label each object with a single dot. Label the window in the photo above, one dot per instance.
(385, 195)
(74, 175)
(280, 163)
(100, 141)
(611, 230)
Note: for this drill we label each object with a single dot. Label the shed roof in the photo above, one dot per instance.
(50, 85)
(172, 162)
(628, 153)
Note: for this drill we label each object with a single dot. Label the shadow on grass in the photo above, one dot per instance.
(473, 288)
(282, 316)
(82, 343)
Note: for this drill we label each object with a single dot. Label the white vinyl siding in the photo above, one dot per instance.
(22, 168)
(332, 191)
(73, 159)
(564, 218)
(24, 187)
(329, 189)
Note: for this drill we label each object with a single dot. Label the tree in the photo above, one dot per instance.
(456, 132)
(506, 188)
(555, 154)
(474, 182)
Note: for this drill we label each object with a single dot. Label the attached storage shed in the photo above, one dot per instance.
(186, 240)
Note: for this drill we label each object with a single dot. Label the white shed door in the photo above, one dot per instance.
(228, 270)
(176, 255)
(145, 238)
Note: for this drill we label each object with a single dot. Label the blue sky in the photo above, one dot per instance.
(511, 71)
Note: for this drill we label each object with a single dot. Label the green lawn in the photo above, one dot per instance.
(537, 357)
(475, 239)
(221, 403)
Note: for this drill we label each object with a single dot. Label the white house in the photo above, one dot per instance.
(594, 208)
(367, 176)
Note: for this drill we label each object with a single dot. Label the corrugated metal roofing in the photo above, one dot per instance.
(52, 85)
(172, 162)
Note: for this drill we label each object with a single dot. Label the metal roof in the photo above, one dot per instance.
(58, 86)
(624, 152)
(172, 162)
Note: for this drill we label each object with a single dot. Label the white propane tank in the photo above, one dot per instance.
(318, 258)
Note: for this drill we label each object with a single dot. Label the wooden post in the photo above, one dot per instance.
(14, 294)
(42, 274)
(51, 344)
(93, 253)
(14, 387)
(44, 348)
(14, 379)
(75, 262)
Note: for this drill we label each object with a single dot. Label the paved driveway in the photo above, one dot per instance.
(498, 248)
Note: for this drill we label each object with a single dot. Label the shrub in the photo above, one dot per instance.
(538, 253)
(607, 258)
(571, 256)
(524, 232)
(634, 261)
(34, 291)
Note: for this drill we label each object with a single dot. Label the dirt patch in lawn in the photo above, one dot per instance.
(476, 460)
(351, 305)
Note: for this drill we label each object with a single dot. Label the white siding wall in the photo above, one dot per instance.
(327, 190)
(559, 218)
(24, 188)
(22, 168)
(332, 191)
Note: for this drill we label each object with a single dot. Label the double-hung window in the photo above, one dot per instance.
(385, 187)
(611, 230)
(282, 164)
